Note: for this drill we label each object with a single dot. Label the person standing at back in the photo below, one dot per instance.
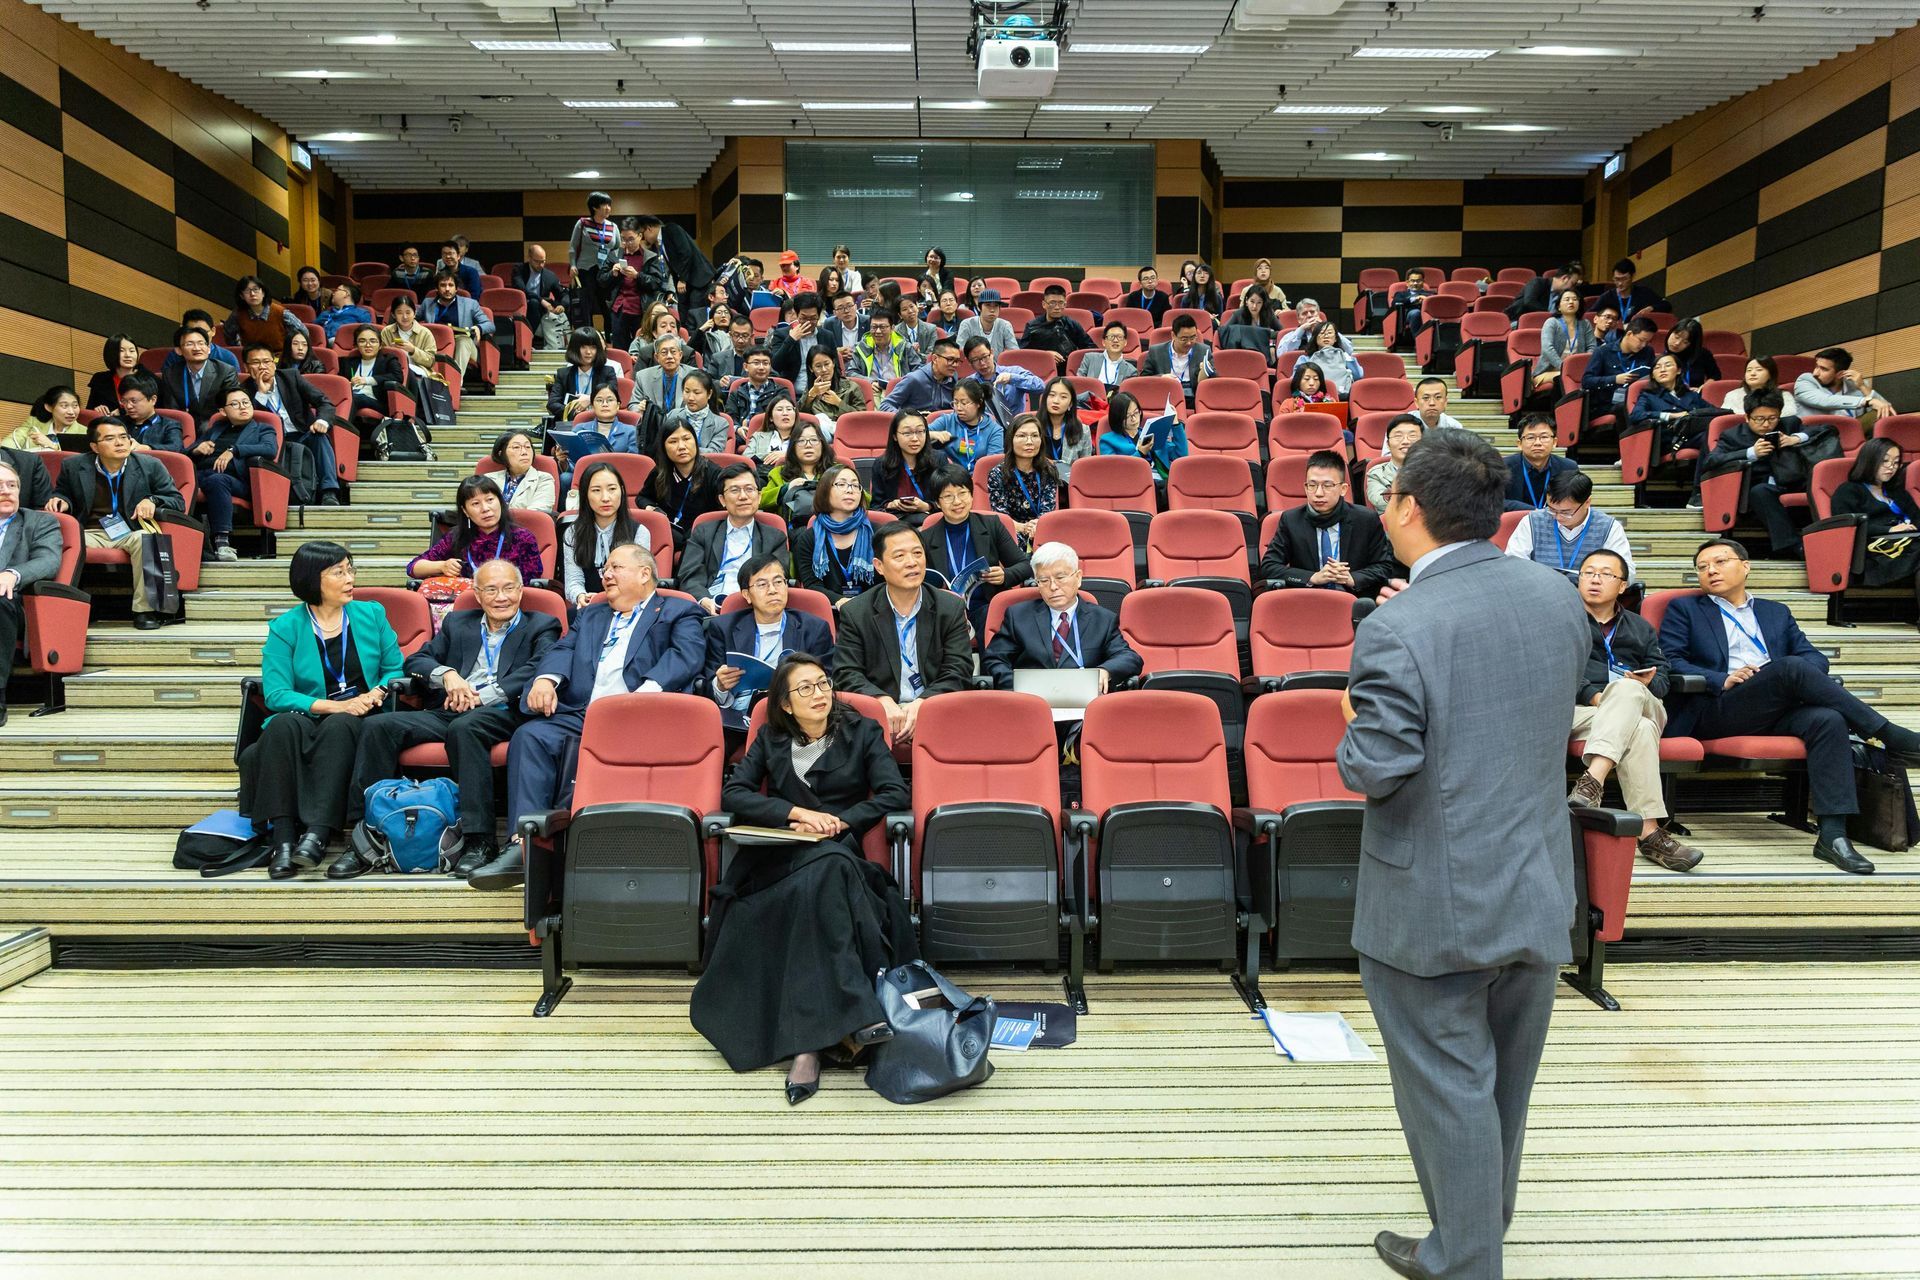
(1461, 696)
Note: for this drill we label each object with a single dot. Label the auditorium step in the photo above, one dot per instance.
(120, 742)
(145, 799)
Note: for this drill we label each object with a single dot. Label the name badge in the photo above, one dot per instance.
(114, 527)
(914, 683)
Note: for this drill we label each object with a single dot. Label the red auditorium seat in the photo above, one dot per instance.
(1482, 356)
(1304, 433)
(1226, 395)
(1187, 640)
(1381, 395)
(1468, 275)
(1104, 542)
(861, 434)
(1137, 319)
(1110, 482)
(1570, 411)
(1106, 286)
(1006, 285)
(433, 755)
(1041, 364)
(1439, 336)
(1370, 307)
(1516, 379)
(799, 599)
(513, 334)
(1234, 435)
(1005, 600)
(1380, 364)
(1040, 284)
(1248, 365)
(1901, 428)
(1301, 639)
(1082, 302)
(1835, 545)
(621, 878)
(1156, 393)
(1509, 521)
(56, 613)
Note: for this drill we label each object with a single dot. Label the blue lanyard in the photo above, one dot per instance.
(513, 482)
(1890, 504)
(1606, 640)
(499, 550)
(1741, 627)
(114, 480)
(336, 680)
(965, 436)
(686, 496)
(617, 631)
(490, 654)
(1072, 646)
(908, 629)
(844, 566)
(914, 480)
(1031, 495)
(955, 562)
(1560, 543)
(1539, 499)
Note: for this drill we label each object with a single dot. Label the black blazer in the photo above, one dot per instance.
(102, 393)
(1025, 640)
(785, 350)
(1294, 554)
(1639, 298)
(855, 778)
(991, 541)
(458, 646)
(832, 584)
(145, 478)
(1635, 647)
(866, 659)
(1532, 298)
(1151, 301)
(669, 650)
(605, 374)
(541, 286)
(36, 487)
(1853, 499)
(706, 547)
(302, 403)
(736, 632)
(216, 379)
(1734, 442)
(157, 432)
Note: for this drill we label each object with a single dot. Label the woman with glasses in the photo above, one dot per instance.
(1026, 485)
(524, 486)
(974, 553)
(325, 667)
(797, 931)
(833, 554)
(903, 477)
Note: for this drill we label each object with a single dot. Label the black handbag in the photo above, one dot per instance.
(1793, 468)
(937, 1048)
(1887, 818)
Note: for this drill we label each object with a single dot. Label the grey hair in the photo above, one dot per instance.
(1055, 553)
(1301, 304)
(500, 561)
(647, 561)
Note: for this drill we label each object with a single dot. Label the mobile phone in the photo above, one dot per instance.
(1772, 437)
(1644, 671)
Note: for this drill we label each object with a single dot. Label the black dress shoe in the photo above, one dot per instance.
(1397, 1251)
(281, 865)
(330, 498)
(348, 865)
(1841, 853)
(503, 872)
(311, 849)
(146, 622)
(799, 1093)
(479, 851)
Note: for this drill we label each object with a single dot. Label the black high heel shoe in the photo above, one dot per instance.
(799, 1093)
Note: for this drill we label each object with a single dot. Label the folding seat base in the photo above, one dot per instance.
(990, 884)
(1167, 884)
(1317, 867)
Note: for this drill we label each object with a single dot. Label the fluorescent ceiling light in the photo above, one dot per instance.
(1324, 109)
(543, 46)
(349, 135)
(838, 46)
(752, 102)
(681, 42)
(385, 37)
(1039, 162)
(962, 195)
(872, 193)
(906, 159)
(971, 104)
(1450, 111)
(1512, 128)
(1102, 108)
(1576, 51)
(1082, 47)
(316, 74)
(1404, 51)
(856, 106)
(620, 104)
(1055, 193)
(585, 173)
(1374, 155)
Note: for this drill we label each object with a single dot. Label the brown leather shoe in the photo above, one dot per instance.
(1398, 1252)
(1587, 793)
(1661, 849)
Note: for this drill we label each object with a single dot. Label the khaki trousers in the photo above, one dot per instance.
(135, 545)
(1625, 728)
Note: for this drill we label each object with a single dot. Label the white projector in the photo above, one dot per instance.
(1018, 68)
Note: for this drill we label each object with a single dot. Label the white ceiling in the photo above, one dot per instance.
(1679, 56)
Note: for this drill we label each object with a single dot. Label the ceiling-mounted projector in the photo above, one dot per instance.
(1017, 68)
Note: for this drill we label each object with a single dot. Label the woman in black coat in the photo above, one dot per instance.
(797, 931)
(585, 370)
(1873, 490)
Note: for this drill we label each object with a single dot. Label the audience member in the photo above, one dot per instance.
(343, 309)
(882, 356)
(967, 431)
(973, 552)
(685, 484)
(1430, 396)
(1764, 677)
(1835, 386)
(1329, 542)
(453, 259)
(409, 273)
(1307, 386)
(695, 410)
(523, 486)
(324, 669)
(1616, 364)
(1687, 344)
(830, 392)
(1126, 434)
(305, 413)
(197, 384)
(1336, 362)
(1542, 292)
(1263, 277)
(139, 403)
(1873, 490)
(986, 324)
(1529, 470)
(472, 674)
(655, 324)
(30, 548)
(1402, 434)
(225, 445)
(833, 553)
(1146, 296)
(1202, 292)
(637, 280)
(918, 333)
(1626, 296)
(1565, 333)
(1013, 387)
(546, 299)
(843, 327)
(636, 640)
(300, 357)
(372, 373)
(1256, 311)
(37, 492)
(1677, 415)
(1560, 534)
(657, 389)
(1068, 436)
(606, 512)
(767, 443)
(307, 291)
(766, 629)
(403, 330)
(789, 282)
(1059, 630)
(119, 358)
(585, 370)
(1183, 356)
(1760, 374)
(463, 315)
(930, 386)
(717, 549)
(482, 530)
(757, 391)
(256, 318)
(1025, 485)
(1622, 710)
(1054, 330)
(850, 277)
(792, 345)
(56, 411)
(902, 641)
(1778, 463)
(903, 477)
(1107, 365)
(1311, 317)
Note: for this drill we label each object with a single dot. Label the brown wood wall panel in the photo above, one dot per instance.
(1723, 257)
(32, 160)
(33, 204)
(113, 161)
(1855, 160)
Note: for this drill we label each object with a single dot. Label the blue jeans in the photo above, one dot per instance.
(220, 489)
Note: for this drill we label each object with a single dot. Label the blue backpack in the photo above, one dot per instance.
(411, 826)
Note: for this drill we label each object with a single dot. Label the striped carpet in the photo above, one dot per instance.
(1734, 1120)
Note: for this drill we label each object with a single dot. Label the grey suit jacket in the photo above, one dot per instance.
(31, 547)
(1463, 687)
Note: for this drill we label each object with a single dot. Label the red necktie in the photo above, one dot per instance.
(1060, 640)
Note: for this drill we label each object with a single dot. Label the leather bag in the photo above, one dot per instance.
(935, 1050)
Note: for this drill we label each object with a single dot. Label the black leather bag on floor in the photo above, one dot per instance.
(937, 1049)
(1887, 818)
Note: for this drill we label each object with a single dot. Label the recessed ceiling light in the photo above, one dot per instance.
(585, 173)
(1082, 47)
(1450, 111)
(1110, 108)
(620, 104)
(1374, 155)
(1576, 51)
(838, 46)
(543, 46)
(385, 37)
(963, 195)
(971, 104)
(1512, 128)
(856, 106)
(752, 102)
(681, 42)
(1404, 51)
(1325, 109)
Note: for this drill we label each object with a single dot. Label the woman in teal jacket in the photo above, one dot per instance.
(325, 668)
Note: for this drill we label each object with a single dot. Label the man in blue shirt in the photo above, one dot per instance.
(930, 387)
(467, 275)
(1615, 365)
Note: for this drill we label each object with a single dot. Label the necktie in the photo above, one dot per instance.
(667, 386)
(1060, 640)
(1326, 545)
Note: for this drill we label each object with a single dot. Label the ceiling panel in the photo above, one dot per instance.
(513, 129)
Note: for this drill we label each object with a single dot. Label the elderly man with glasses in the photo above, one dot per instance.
(1060, 631)
(1620, 713)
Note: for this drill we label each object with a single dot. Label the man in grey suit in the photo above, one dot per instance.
(1464, 907)
(29, 552)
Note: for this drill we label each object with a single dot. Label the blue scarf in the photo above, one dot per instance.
(859, 569)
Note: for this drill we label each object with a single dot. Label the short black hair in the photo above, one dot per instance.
(974, 342)
(597, 198)
(110, 349)
(1460, 482)
(1054, 290)
(143, 382)
(1183, 323)
(802, 301)
(1866, 463)
(732, 471)
(364, 328)
(1625, 266)
(947, 343)
(757, 349)
(180, 334)
(1322, 459)
(1402, 420)
(308, 563)
(1535, 419)
(885, 533)
(1441, 382)
(1606, 306)
(1642, 324)
(949, 477)
(753, 564)
(1626, 570)
(1728, 543)
(196, 316)
(1838, 357)
(1768, 399)
(1562, 485)
(641, 221)
(248, 350)
(700, 376)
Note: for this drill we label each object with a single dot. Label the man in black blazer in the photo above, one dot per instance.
(902, 641)
(1147, 297)
(769, 631)
(1059, 630)
(1329, 542)
(36, 486)
(1758, 441)
(989, 555)
(546, 300)
(29, 552)
(792, 345)
(1184, 357)
(135, 487)
(1539, 293)
(199, 384)
(1629, 297)
(139, 413)
(635, 641)
(716, 551)
(472, 675)
(305, 413)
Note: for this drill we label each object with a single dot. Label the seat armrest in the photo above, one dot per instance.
(545, 825)
(48, 589)
(1077, 829)
(1151, 582)
(1609, 822)
(1256, 822)
(980, 682)
(899, 829)
(1687, 683)
(713, 825)
(408, 686)
(1852, 520)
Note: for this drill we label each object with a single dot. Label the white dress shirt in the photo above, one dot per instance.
(1741, 649)
(611, 675)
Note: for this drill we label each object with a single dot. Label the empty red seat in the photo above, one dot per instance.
(1516, 380)
(1901, 428)
(1304, 433)
(1380, 395)
(1249, 365)
(1482, 355)
(1234, 435)
(1041, 364)
(1439, 337)
(1156, 394)
(1226, 395)
(1137, 319)
(1301, 639)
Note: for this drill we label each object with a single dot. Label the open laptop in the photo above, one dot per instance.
(1065, 689)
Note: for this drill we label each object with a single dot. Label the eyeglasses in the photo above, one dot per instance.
(1057, 580)
(852, 486)
(337, 571)
(115, 437)
(740, 491)
(1599, 575)
(1323, 486)
(1718, 562)
(810, 688)
(495, 593)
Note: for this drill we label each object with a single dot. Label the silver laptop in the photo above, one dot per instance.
(1065, 689)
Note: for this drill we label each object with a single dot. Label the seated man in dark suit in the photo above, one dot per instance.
(305, 413)
(1761, 441)
(1146, 296)
(110, 490)
(546, 299)
(1764, 677)
(901, 640)
(634, 641)
(36, 486)
(1530, 470)
(1184, 357)
(1329, 542)
(474, 672)
(198, 386)
(29, 552)
(139, 402)
(1060, 630)
(769, 630)
(717, 550)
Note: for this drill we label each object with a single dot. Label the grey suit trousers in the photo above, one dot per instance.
(1463, 1049)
